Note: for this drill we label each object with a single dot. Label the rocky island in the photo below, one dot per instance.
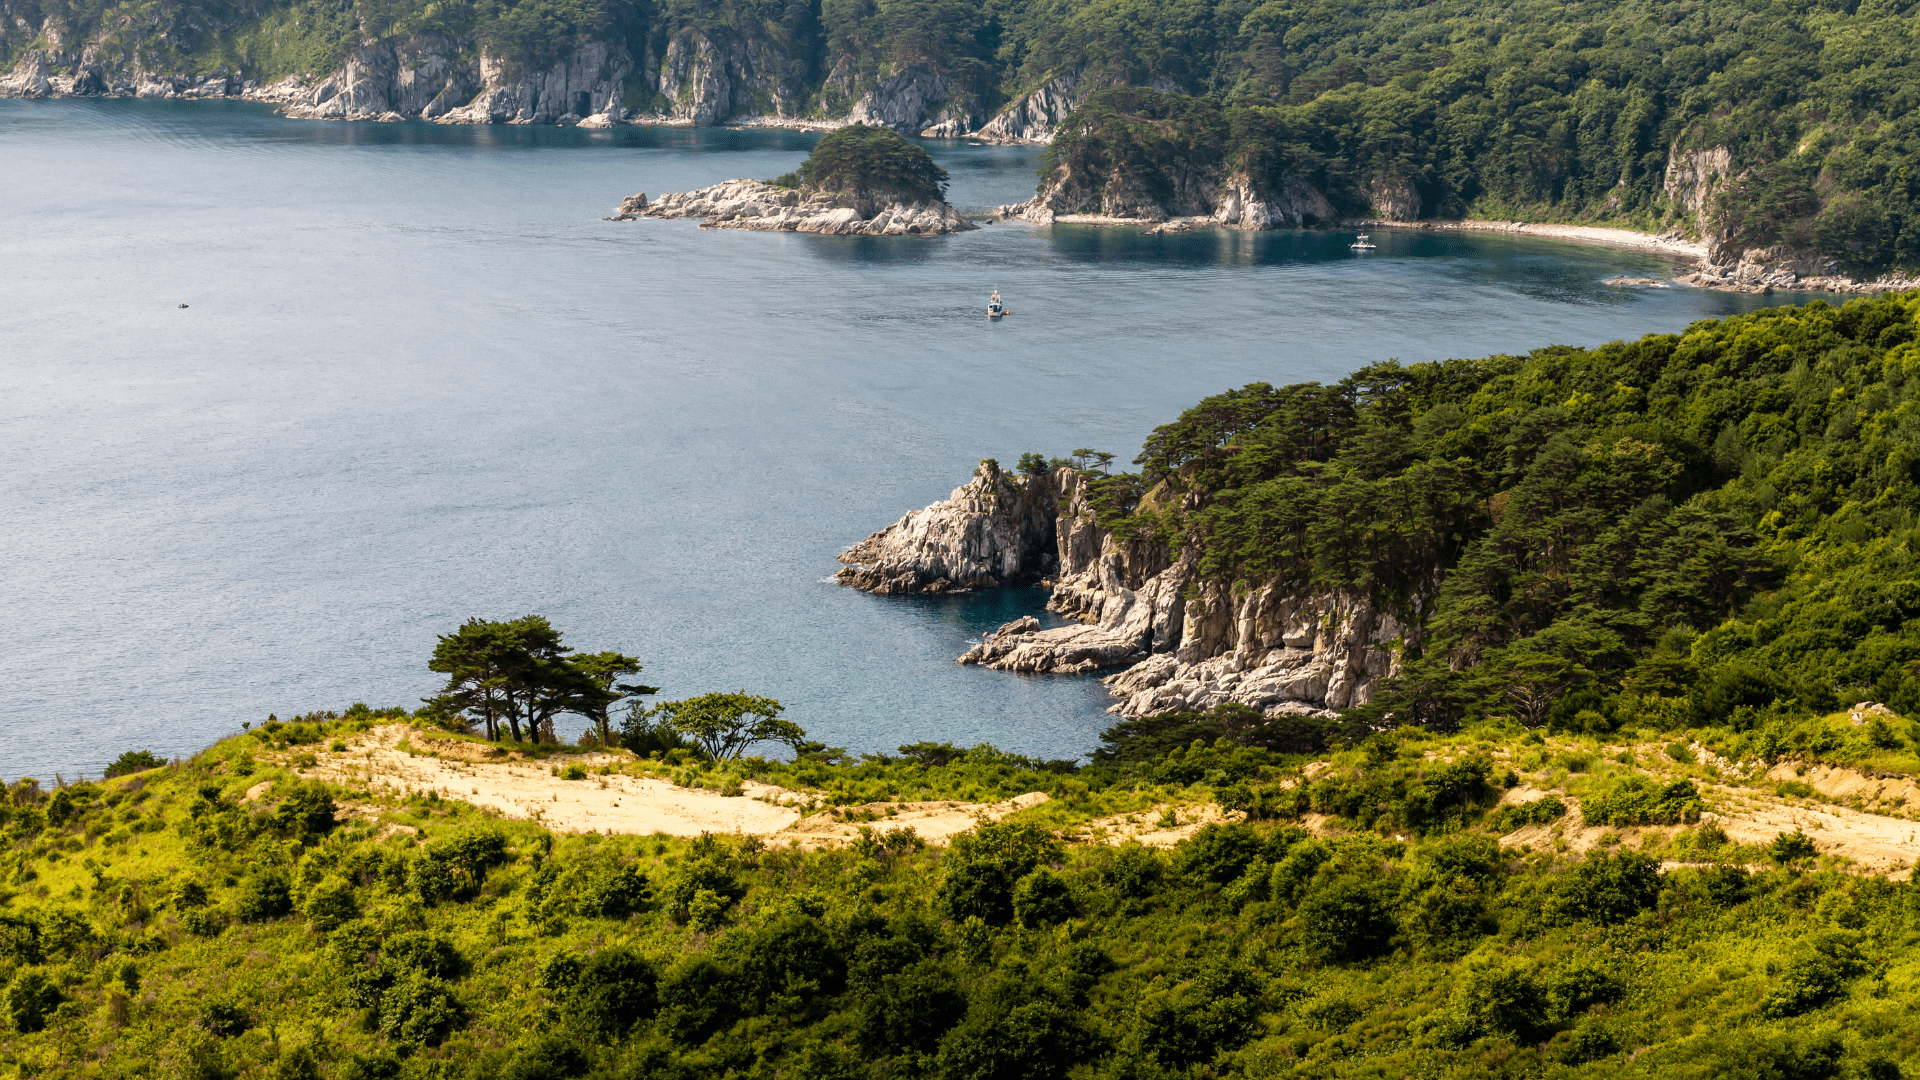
(858, 181)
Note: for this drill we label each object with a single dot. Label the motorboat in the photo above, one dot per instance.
(1361, 243)
(995, 308)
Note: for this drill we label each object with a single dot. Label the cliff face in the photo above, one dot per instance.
(703, 74)
(995, 529)
(1186, 643)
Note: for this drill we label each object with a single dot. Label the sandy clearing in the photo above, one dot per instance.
(505, 782)
(1144, 825)
(1889, 793)
(520, 789)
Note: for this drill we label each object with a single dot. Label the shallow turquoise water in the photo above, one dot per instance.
(421, 379)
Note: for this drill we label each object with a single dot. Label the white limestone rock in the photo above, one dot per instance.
(995, 530)
(755, 204)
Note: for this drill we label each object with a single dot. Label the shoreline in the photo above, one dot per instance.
(1693, 266)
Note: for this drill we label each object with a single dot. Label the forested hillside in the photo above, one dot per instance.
(1756, 123)
(1710, 528)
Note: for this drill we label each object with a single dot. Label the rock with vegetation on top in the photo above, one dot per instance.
(859, 180)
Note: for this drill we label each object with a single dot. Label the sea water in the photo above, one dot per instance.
(419, 379)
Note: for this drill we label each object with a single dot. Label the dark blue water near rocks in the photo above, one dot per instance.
(420, 379)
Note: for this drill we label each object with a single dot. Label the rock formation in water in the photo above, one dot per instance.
(996, 529)
(755, 204)
(1185, 643)
(1119, 158)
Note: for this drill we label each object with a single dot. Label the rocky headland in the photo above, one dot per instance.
(1182, 643)
(758, 205)
(860, 180)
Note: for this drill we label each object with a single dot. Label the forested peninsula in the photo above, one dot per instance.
(1531, 716)
(1782, 129)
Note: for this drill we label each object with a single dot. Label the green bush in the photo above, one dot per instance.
(1041, 899)
(29, 998)
(133, 761)
(1344, 920)
(982, 867)
(1634, 800)
(420, 1009)
(263, 895)
(1607, 889)
(1817, 976)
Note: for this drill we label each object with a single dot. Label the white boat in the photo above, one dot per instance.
(1361, 243)
(995, 308)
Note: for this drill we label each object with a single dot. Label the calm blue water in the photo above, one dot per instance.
(420, 379)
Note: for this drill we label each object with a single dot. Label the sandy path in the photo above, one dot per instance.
(505, 782)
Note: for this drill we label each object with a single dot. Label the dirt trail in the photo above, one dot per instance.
(504, 781)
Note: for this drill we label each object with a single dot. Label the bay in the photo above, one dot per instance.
(420, 379)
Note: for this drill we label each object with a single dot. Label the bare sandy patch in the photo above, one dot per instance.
(1146, 826)
(525, 790)
(934, 822)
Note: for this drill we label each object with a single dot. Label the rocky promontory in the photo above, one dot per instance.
(1184, 643)
(859, 180)
(756, 204)
(996, 529)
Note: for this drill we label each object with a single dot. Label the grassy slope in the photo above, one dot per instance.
(1692, 970)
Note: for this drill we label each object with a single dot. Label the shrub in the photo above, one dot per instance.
(614, 893)
(1218, 853)
(133, 761)
(224, 1019)
(1789, 848)
(697, 998)
(1133, 871)
(1607, 889)
(307, 810)
(983, 866)
(263, 896)
(1637, 801)
(1195, 1022)
(1033, 1040)
(331, 903)
(1345, 920)
(19, 940)
(908, 1011)
(29, 998)
(1817, 976)
(1504, 998)
(1041, 899)
(420, 1009)
(552, 1056)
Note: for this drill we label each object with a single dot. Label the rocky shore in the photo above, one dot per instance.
(757, 205)
(1182, 643)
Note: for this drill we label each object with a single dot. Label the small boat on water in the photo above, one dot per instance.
(995, 308)
(1361, 243)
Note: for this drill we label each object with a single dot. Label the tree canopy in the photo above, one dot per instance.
(873, 164)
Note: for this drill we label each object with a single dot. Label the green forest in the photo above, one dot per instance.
(1534, 110)
(1650, 572)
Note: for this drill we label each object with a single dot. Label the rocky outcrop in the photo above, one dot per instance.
(1034, 117)
(1693, 178)
(1233, 201)
(1184, 643)
(996, 529)
(1394, 199)
(757, 205)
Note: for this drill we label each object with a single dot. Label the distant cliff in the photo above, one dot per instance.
(648, 66)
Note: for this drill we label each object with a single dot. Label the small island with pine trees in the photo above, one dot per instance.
(859, 180)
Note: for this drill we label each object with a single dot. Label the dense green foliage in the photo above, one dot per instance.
(163, 927)
(1710, 528)
(1534, 109)
(873, 164)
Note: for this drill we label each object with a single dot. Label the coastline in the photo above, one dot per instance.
(1758, 272)
(1667, 243)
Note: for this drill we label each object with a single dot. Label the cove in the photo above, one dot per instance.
(420, 379)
